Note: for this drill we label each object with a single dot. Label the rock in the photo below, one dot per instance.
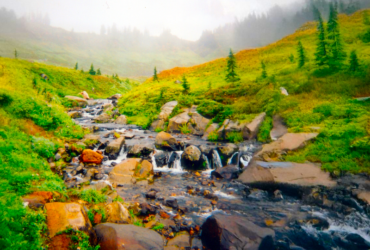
(117, 236)
(75, 114)
(151, 195)
(166, 141)
(140, 151)
(221, 231)
(115, 97)
(60, 216)
(80, 101)
(279, 128)
(181, 241)
(171, 202)
(103, 118)
(117, 213)
(213, 127)
(283, 91)
(166, 111)
(122, 120)
(197, 123)
(161, 159)
(176, 122)
(191, 158)
(38, 199)
(85, 95)
(228, 173)
(123, 173)
(307, 174)
(90, 156)
(227, 127)
(144, 170)
(114, 147)
(250, 130)
(227, 151)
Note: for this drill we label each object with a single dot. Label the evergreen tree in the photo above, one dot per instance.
(291, 58)
(16, 54)
(353, 62)
(366, 18)
(76, 66)
(98, 72)
(155, 76)
(231, 75)
(92, 71)
(336, 54)
(301, 55)
(321, 49)
(185, 84)
(264, 72)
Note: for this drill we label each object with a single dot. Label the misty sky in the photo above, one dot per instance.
(184, 18)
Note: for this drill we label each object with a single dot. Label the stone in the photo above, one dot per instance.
(306, 174)
(197, 123)
(166, 111)
(103, 118)
(90, 156)
(60, 242)
(114, 147)
(171, 202)
(123, 173)
(85, 95)
(115, 97)
(227, 127)
(191, 158)
(117, 213)
(121, 120)
(228, 172)
(166, 141)
(212, 128)
(227, 151)
(144, 170)
(221, 231)
(176, 122)
(182, 240)
(140, 150)
(251, 130)
(161, 159)
(75, 114)
(284, 91)
(279, 128)
(80, 101)
(117, 236)
(38, 198)
(60, 216)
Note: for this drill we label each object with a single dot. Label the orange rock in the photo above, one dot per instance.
(38, 197)
(97, 218)
(164, 215)
(269, 222)
(90, 156)
(197, 174)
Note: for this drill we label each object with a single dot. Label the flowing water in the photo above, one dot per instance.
(289, 217)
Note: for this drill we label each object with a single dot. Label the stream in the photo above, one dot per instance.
(298, 223)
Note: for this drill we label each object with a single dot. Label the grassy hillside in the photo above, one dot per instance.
(33, 125)
(319, 100)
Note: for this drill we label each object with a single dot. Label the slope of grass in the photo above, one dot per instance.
(344, 129)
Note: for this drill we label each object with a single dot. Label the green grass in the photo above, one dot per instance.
(92, 196)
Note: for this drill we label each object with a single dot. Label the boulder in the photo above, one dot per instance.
(75, 114)
(166, 111)
(166, 141)
(227, 152)
(139, 151)
(121, 120)
(176, 122)
(37, 199)
(60, 216)
(117, 236)
(228, 172)
(222, 231)
(227, 127)
(283, 91)
(213, 127)
(144, 170)
(123, 173)
(279, 128)
(103, 118)
(90, 156)
(80, 101)
(191, 158)
(117, 213)
(306, 174)
(115, 97)
(161, 159)
(114, 147)
(180, 241)
(250, 130)
(197, 124)
(85, 95)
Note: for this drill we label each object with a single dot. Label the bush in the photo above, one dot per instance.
(92, 196)
(234, 137)
(5, 99)
(210, 108)
(184, 129)
(44, 147)
(213, 136)
(264, 131)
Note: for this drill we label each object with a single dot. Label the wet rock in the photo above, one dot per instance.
(251, 130)
(278, 195)
(144, 170)
(75, 114)
(357, 242)
(228, 173)
(140, 151)
(171, 202)
(115, 236)
(212, 128)
(114, 147)
(182, 241)
(147, 209)
(191, 158)
(37, 199)
(151, 195)
(90, 156)
(160, 159)
(221, 231)
(117, 213)
(103, 118)
(226, 152)
(60, 216)
(124, 172)
(121, 120)
(80, 101)
(166, 141)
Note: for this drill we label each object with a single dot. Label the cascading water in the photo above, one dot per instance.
(173, 165)
(231, 158)
(217, 163)
(121, 157)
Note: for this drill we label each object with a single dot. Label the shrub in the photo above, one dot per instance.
(264, 131)
(184, 129)
(234, 137)
(44, 147)
(213, 136)
(92, 196)
(210, 108)
(5, 99)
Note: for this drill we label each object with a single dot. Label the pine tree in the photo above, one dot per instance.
(155, 77)
(301, 55)
(16, 54)
(336, 54)
(353, 62)
(231, 75)
(185, 84)
(264, 72)
(98, 72)
(76, 66)
(321, 49)
(291, 58)
(92, 71)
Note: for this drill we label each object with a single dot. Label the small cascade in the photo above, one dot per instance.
(173, 165)
(121, 157)
(231, 158)
(177, 163)
(217, 163)
(205, 158)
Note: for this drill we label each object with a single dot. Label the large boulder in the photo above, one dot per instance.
(250, 130)
(166, 141)
(80, 101)
(140, 151)
(118, 237)
(166, 111)
(197, 124)
(306, 174)
(117, 213)
(90, 156)
(103, 118)
(178, 121)
(123, 173)
(228, 172)
(228, 126)
(144, 170)
(61, 216)
(192, 158)
(85, 95)
(37, 199)
(221, 231)
(114, 147)
(121, 120)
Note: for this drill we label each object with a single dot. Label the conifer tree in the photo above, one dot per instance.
(264, 72)
(291, 58)
(92, 71)
(155, 76)
(185, 84)
(353, 62)
(336, 54)
(76, 66)
(98, 72)
(16, 54)
(231, 75)
(321, 49)
(301, 55)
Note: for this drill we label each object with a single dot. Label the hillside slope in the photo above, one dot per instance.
(319, 99)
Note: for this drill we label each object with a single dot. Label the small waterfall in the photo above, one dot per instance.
(231, 158)
(205, 158)
(177, 163)
(217, 163)
(121, 157)
(174, 163)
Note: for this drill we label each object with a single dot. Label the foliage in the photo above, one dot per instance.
(301, 55)
(92, 71)
(158, 227)
(264, 72)
(321, 48)
(264, 131)
(155, 76)
(91, 196)
(231, 75)
(80, 240)
(234, 137)
(98, 210)
(185, 84)
(213, 136)
(353, 63)
(184, 129)
(76, 66)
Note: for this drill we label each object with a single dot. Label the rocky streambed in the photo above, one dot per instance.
(194, 194)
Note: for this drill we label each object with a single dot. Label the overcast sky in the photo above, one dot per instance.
(184, 18)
